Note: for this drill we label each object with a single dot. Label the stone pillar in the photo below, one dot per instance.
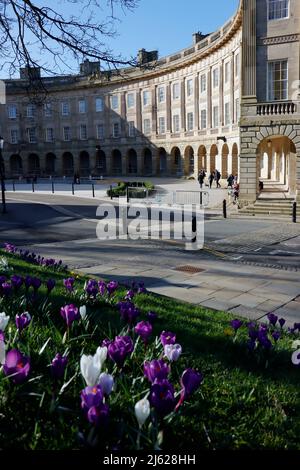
(232, 102)
(182, 107)
(221, 93)
(196, 101)
(154, 110)
(209, 108)
(139, 112)
(123, 115)
(169, 108)
(249, 50)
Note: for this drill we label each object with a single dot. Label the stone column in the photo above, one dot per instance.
(221, 93)
(182, 107)
(196, 100)
(123, 115)
(209, 109)
(232, 102)
(249, 50)
(168, 108)
(154, 110)
(139, 112)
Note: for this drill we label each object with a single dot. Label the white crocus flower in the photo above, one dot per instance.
(4, 319)
(2, 352)
(106, 382)
(296, 357)
(172, 351)
(90, 366)
(82, 311)
(142, 411)
(100, 356)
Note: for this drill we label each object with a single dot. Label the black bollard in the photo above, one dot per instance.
(52, 184)
(32, 186)
(111, 192)
(93, 190)
(73, 192)
(225, 209)
(14, 188)
(295, 212)
(194, 228)
(127, 194)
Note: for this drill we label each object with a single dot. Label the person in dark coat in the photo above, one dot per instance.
(217, 178)
(201, 178)
(230, 180)
(211, 178)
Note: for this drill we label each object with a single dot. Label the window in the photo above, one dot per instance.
(203, 119)
(99, 104)
(147, 127)
(226, 72)
(100, 131)
(30, 110)
(131, 129)
(31, 135)
(227, 114)
(146, 98)
(49, 134)
(82, 106)
(115, 102)
(278, 9)
(161, 94)
(278, 80)
(176, 123)
(215, 116)
(237, 109)
(176, 91)
(116, 130)
(215, 78)
(189, 87)
(130, 100)
(203, 83)
(237, 65)
(190, 121)
(83, 131)
(67, 133)
(12, 111)
(65, 108)
(48, 109)
(161, 125)
(14, 136)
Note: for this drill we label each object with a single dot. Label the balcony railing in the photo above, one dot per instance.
(276, 108)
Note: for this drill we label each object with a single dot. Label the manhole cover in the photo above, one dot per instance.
(189, 269)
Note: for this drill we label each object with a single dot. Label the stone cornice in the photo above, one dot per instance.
(278, 39)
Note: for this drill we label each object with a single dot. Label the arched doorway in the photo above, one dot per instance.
(163, 166)
(147, 162)
(16, 165)
(176, 163)
(202, 158)
(50, 164)
(213, 154)
(235, 160)
(84, 164)
(116, 162)
(225, 153)
(33, 164)
(68, 164)
(131, 162)
(100, 162)
(189, 162)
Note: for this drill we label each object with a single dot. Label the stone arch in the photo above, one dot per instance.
(84, 163)
(176, 161)
(213, 154)
(162, 161)
(50, 164)
(202, 158)
(15, 165)
(235, 159)
(68, 164)
(34, 168)
(189, 161)
(147, 161)
(225, 153)
(131, 162)
(100, 162)
(116, 157)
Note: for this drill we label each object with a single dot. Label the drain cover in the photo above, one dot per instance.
(189, 269)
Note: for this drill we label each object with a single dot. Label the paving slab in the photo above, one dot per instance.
(217, 304)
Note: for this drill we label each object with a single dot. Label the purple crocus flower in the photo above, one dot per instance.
(296, 326)
(119, 349)
(190, 382)
(281, 322)
(2, 279)
(91, 396)
(144, 330)
(2, 337)
(151, 316)
(251, 344)
(36, 283)
(276, 336)
(253, 333)
(10, 248)
(162, 397)
(106, 342)
(23, 320)
(156, 370)
(167, 337)
(129, 312)
(111, 287)
(142, 289)
(69, 314)
(58, 366)
(102, 287)
(17, 366)
(272, 318)
(106, 382)
(69, 283)
(50, 285)
(6, 289)
(28, 282)
(16, 281)
(91, 288)
(129, 294)
(98, 415)
(236, 324)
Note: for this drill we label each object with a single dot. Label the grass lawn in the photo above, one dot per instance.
(247, 400)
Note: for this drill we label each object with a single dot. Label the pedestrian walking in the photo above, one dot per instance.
(211, 178)
(217, 178)
(201, 178)
(230, 180)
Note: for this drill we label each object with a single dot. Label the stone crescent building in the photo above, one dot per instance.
(229, 102)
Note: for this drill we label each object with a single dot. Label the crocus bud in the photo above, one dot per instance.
(173, 351)
(82, 311)
(106, 382)
(4, 319)
(142, 411)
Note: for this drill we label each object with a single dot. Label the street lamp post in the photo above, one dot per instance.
(2, 176)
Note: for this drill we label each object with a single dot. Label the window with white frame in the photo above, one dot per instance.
(100, 131)
(114, 102)
(14, 136)
(130, 100)
(227, 114)
(237, 109)
(147, 126)
(116, 130)
(83, 132)
(189, 87)
(131, 128)
(67, 133)
(49, 134)
(190, 121)
(226, 72)
(99, 104)
(65, 108)
(82, 106)
(161, 125)
(12, 111)
(176, 123)
(203, 83)
(203, 119)
(176, 91)
(215, 116)
(278, 80)
(146, 97)
(278, 9)
(215, 78)
(237, 65)
(31, 135)
(161, 92)
(30, 110)
(48, 109)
